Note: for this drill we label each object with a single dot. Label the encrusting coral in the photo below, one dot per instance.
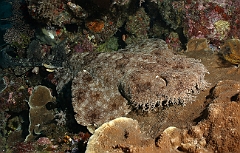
(222, 126)
(147, 75)
(218, 132)
(95, 25)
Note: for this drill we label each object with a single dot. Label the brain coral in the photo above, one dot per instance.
(146, 75)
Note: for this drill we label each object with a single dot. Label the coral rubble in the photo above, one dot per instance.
(147, 75)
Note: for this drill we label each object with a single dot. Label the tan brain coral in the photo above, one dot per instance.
(120, 135)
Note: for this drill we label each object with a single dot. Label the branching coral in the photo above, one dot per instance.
(20, 34)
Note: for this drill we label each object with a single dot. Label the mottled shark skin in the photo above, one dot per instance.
(143, 76)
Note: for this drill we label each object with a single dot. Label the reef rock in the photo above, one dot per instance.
(223, 122)
(145, 75)
(218, 132)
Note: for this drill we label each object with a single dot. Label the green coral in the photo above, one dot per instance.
(110, 45)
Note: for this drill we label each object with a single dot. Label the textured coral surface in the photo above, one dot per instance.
(219, 131)
(128, 139)
(224, 112)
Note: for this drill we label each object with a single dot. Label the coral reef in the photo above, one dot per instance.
(23, 147)
(60, 118)
(41, 95)
(84, 45)
(109, 45)
(173, 41)
(15, 94)
(215, 19)
(3, 123)
(223, 112)
(38, 56)
(77, 10)
(218, 132)
(174, 140)
(146, 74)
(120, 2)
(128, 139)
(20, 33)
(234, 12)
(95, 26)
(97, 59)
(50, 12)
(172, 12)
(137, 26)
(204, 137)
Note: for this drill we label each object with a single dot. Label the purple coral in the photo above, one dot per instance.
(211, 20)
(84, 45)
